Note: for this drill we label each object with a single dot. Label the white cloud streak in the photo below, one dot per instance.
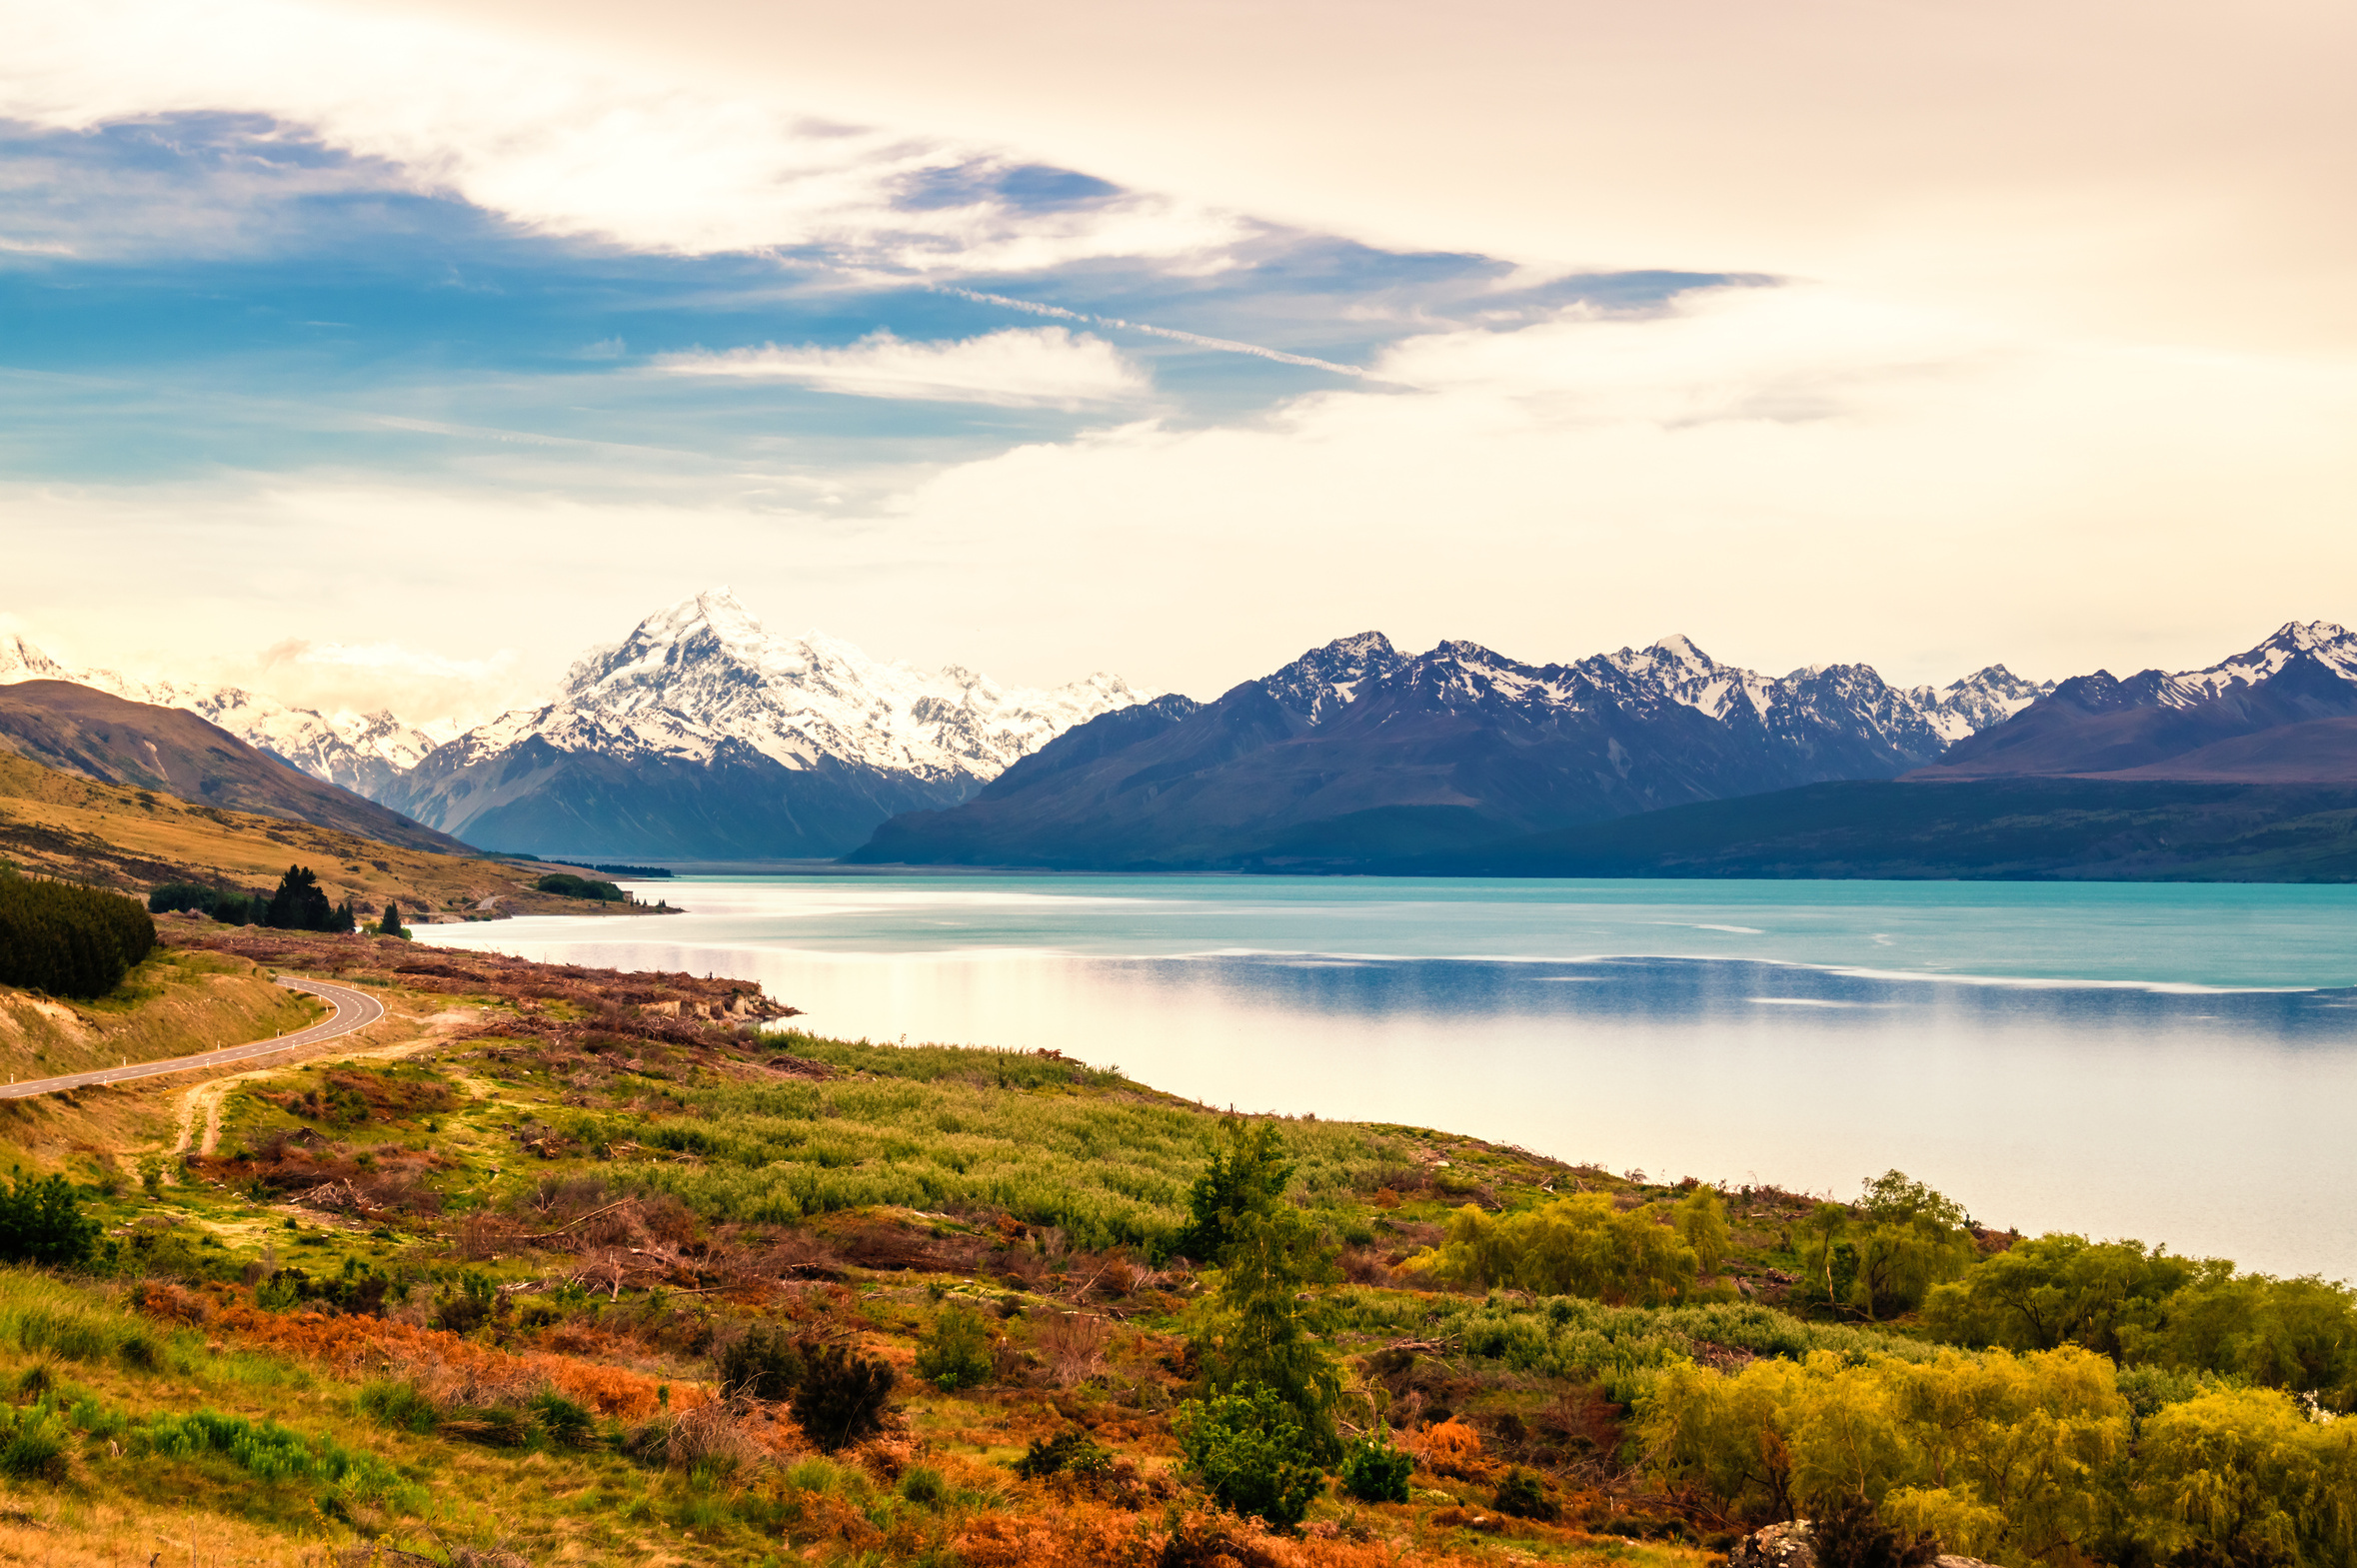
(1045, 365)
(1224, 345)
(561, 144)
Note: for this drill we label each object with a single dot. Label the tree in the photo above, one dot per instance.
(2058, 1289)
(1700, 1220)
(1885, 1256)
(1262, 1328)
(390, 925)
(1248, 1175)
(299, 904)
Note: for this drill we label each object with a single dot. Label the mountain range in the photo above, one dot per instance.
(1358, 748)
(1358, 758)
(702, 736)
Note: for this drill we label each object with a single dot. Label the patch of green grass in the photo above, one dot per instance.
(1051, 1141)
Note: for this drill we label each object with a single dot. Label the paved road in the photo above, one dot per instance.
(354, 1010)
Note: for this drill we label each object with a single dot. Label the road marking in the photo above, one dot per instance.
(354, 1010)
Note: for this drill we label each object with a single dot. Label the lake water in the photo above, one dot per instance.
(2174, 1063)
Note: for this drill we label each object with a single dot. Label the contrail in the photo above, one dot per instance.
(1226, 345)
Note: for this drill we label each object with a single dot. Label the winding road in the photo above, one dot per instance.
(354, 1010)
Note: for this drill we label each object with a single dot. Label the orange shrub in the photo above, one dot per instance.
(448, 1367)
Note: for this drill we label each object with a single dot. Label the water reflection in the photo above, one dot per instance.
(2213, 1120)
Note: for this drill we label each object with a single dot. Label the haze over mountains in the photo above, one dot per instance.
(701, 736)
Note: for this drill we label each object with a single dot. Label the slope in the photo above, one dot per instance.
(55, 823)
(104, 738)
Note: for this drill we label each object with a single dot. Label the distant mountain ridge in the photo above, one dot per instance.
(1357, 747)
(703, 736)
(2285, 712)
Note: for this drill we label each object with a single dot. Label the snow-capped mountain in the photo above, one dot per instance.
(1843, 707)
(2283, 711)
(1356, 748)
(703, 734)
(362, 753)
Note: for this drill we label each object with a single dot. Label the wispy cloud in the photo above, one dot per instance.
(572, 146)
(1021, 365)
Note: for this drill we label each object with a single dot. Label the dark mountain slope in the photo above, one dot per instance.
(2150, 726)
(1356, 750)
(93, 735)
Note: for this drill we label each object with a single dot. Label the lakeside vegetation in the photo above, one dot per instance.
(600, 1270)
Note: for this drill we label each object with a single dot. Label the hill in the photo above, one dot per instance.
(56, 823)
(2028, 829)
(107, 740)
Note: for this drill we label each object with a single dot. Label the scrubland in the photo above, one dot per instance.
(608, 1269)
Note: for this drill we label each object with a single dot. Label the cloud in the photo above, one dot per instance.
(1016, 366)
(569, 145)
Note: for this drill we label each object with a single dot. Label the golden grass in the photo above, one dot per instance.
(52, 823)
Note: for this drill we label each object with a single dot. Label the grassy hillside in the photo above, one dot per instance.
(469, 1293)
(54, 824)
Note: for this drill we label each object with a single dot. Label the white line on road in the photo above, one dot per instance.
(354, 1010)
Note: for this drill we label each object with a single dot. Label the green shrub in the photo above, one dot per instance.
(568, 1423)
(1250, 1454)
(1069, 1452)
(404, 1407)
(1582, 1245)
(32, 1443)
(1522, 1495)
(760, 1363)
(957, 1354)
(840, 1396)
(41, 1223)
(923, 1485)
(1374, 1471)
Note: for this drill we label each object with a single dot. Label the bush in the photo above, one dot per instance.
(41, 1223)
(32, 1444)
(1522, 1495)
(1250, 1454)
(69, 940)
(1374, 1471)
(840, 1396)
(1853, 1535)
(403, 1406)
(957, 1354)
(1574, 1246)
(1070, 1452)
(566, 885)
(760, 1363)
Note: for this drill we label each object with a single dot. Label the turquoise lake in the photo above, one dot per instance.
(2175, 1063)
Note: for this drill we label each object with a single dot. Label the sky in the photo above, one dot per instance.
(376, 354)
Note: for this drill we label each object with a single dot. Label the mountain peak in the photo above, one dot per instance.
(21, 661)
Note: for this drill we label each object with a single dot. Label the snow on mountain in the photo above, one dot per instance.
(2334, 646)
(703, 674)
(1804, 709)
